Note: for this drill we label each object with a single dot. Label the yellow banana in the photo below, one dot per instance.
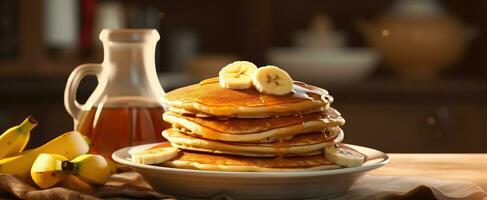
(87, 139)
(69, 145)
(237, 75)
(90, 168)
(47, 170)
(4, 160)
(155, 156)
(344, 156)
(272, 80)
(15, 139)
(51, 169)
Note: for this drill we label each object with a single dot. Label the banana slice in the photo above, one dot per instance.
(237, 75)
(155, 156)
(344, 156)
(272, 80)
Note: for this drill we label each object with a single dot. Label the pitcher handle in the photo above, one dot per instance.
(70, 103)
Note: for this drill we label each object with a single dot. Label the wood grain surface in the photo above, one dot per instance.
(466, 167)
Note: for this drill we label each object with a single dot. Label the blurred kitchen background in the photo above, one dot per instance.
(408, 75)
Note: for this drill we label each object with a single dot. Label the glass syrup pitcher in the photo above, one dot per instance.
(125, 108)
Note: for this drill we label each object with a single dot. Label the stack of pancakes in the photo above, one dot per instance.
(243, 130)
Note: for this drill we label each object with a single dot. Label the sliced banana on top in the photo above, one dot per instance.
(344, 156)
(272, 80)
(237, 75)
(155, 156)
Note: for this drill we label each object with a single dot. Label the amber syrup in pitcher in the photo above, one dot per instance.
(110, 129)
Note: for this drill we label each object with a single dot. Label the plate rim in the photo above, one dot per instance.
(119, 159)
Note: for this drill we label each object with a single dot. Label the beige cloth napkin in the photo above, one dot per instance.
(131, 185)
(127, 185)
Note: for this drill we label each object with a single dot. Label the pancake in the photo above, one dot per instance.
(209, 99)
(254, 129)
(221, 129)
(301, 145)
(215, 162)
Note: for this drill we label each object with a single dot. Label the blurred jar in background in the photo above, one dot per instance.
(417, 38)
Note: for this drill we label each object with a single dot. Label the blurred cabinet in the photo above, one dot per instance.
(413, 119)
(417, 127)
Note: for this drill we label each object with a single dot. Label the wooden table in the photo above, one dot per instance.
(467, 167)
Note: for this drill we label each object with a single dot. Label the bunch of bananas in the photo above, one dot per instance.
(68, 146)
(50, 169)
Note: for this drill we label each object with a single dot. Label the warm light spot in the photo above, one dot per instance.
(431, 121)
(385, 32)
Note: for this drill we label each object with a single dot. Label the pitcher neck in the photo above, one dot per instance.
(128, 61)
(129, 66)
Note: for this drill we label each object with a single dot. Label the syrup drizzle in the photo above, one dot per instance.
(262, 101)
(281, 147)
(304, 91)
(209, 81)
(300, 90)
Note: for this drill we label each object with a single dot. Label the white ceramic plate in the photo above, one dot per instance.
(197, 184)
